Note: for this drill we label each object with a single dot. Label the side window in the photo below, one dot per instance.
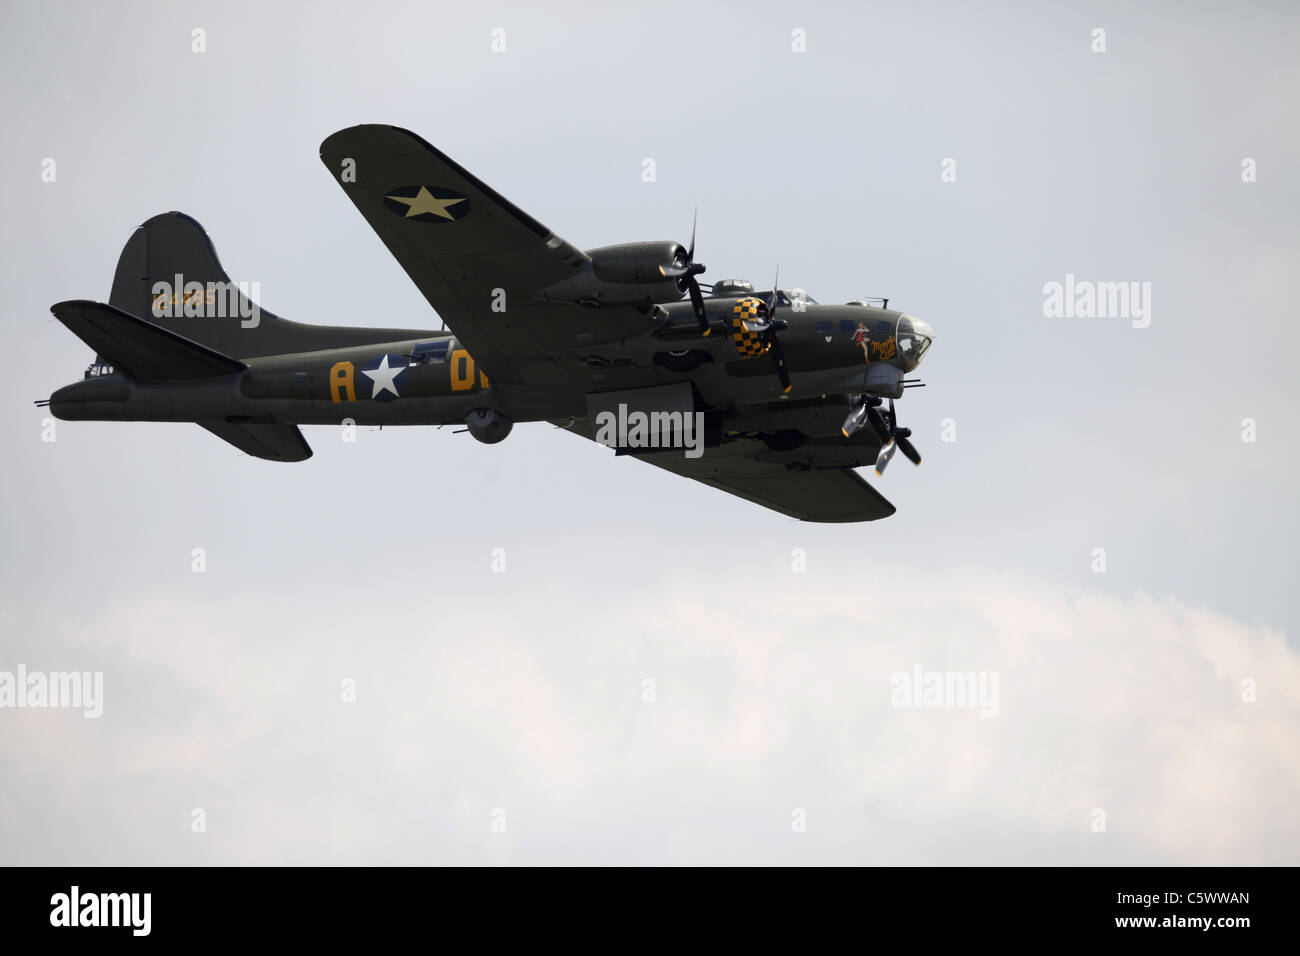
(429, 353)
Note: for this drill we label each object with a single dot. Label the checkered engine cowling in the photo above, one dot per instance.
(745, 315)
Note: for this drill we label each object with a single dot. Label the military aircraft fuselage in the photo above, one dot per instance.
(431, 379)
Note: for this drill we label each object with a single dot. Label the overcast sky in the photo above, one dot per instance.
(651, 680)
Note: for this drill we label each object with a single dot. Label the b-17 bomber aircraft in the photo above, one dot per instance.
(767, 395)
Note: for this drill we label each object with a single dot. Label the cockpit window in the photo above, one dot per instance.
(913, 346)
(788, 299)
(914, 338)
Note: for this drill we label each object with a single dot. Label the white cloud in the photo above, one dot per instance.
(772, 693)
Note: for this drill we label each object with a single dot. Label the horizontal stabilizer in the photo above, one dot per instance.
(140, 348)
(272, 442)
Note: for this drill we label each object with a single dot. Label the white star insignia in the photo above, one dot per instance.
(385, 378)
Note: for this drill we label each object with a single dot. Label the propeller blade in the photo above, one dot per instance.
(676, 270)
(778, 356)
(697, 303)
(886, 454)
(685, 271)
(855, 420)
(908, 449)
(878, 423)
(771, 306)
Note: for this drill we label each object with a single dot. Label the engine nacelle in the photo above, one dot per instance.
(621, 275)
(635, 263)
(488, 425)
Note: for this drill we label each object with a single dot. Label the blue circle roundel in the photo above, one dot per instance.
(384, 373)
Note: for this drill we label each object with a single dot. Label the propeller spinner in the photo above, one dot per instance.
(886, 426)
(775, 325)
(684, 269)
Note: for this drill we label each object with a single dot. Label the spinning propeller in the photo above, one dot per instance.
(684, 269)
(886, 426)
(767, 335)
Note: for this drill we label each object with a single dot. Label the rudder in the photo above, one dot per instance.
(169, 274)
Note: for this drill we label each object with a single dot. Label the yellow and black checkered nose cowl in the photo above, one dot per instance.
(745, 314)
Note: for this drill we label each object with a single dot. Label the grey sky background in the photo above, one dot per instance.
(523, 691)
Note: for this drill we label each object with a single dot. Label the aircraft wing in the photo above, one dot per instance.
(458, 239)
(742, 468)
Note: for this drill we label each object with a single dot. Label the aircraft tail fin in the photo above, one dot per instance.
(169, 274)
